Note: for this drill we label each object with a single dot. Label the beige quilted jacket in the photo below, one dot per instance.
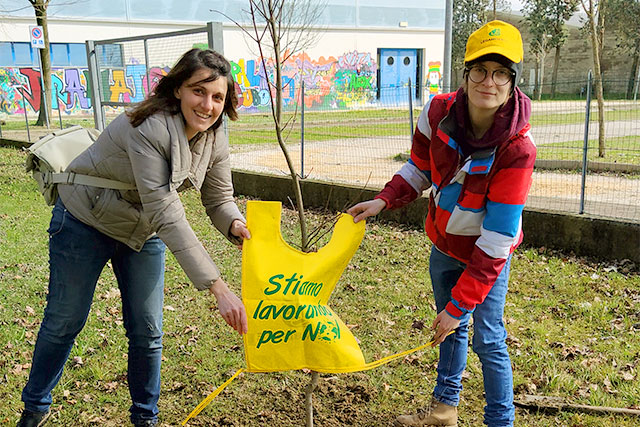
(159, 160)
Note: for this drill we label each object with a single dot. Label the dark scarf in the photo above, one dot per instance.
(508, 121)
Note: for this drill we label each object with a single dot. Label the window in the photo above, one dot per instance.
(77, 55)
(6, 54)
(24, 55)
(110, 55)
(59, 54)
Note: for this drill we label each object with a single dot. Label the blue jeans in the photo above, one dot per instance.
(77, 256)
(489, 336)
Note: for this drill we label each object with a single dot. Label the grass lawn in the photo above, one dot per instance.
(574, 331)
(623, 149)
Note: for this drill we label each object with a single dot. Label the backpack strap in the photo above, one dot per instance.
(94, 181)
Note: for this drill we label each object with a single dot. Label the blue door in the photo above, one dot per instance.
(397, 66)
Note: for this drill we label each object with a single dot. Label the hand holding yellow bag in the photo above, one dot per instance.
(286, 294)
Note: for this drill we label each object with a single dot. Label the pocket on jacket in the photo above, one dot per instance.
(465, 222)
(115, 213)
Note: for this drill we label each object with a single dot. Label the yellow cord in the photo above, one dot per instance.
(364, 367)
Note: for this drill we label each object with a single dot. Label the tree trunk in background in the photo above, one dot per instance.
(541, 83)
(40, 8)
(536, 86)
(554, 76)
(597, 75)
(633, 74)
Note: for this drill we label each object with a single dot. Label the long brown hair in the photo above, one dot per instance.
(163, 97)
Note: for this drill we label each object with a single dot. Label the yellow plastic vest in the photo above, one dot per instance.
(286, 294)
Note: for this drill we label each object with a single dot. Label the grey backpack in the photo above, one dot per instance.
(49, 157)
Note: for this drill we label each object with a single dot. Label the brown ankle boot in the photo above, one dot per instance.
(437, 414)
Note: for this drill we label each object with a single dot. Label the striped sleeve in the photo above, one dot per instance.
(501, 230)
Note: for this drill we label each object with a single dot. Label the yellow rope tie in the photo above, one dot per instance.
(211, 396)
(365, 367)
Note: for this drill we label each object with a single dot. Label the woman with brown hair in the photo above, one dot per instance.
(170, 142)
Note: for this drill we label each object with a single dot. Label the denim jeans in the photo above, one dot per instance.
(489, 336)
(77, 256)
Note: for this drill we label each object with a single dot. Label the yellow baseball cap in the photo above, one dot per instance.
(495, 37)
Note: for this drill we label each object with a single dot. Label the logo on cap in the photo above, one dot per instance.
(495, 32)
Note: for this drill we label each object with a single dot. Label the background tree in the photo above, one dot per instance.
(498, 5)
(40, 9)
(279, 29)
(540, 23)
(561, 11)
(596, 11)
(623, 18)
(468, 16)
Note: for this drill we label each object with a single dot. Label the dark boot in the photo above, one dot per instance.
(33, 419)
(140, 422)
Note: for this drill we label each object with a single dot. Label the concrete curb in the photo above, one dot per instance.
(581, 234)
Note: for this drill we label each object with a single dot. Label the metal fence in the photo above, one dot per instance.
(366, 141)
(116, 60)
(361, 137)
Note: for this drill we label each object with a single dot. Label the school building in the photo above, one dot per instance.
(364, 48)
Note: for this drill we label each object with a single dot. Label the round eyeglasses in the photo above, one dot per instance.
(500, 76)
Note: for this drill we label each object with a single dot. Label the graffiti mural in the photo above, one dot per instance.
(69, 88)
(343, 82)
(434, 77)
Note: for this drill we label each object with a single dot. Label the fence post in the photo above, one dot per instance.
(635, 92)
(586, 143)
(302, 132)
(24, 108)
(94, 75)
(59, 115)
(410, 111)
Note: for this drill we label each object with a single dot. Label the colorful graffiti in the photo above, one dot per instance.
(434, 77)
(345, 81)
(20, 87)
(328, 82)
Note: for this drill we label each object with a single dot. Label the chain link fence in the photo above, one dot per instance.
(363, 137)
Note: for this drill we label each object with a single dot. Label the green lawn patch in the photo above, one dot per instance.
(624, 149)
(574, 331)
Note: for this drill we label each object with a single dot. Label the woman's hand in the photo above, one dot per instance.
(366, 209)
(443, 325)
(230, 306)
(239, 229)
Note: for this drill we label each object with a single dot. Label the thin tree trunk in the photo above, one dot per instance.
(536, 87)
(634, 71)
(554, 75)
(308, 398)
(45, 71)
(274, 29)
(277, 113)
(597, 77)
(542, 57)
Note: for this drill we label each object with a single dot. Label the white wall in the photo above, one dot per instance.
(333, 42)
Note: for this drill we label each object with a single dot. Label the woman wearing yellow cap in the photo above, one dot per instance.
(473, 152)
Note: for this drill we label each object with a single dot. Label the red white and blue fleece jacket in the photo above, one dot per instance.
(475, 203)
